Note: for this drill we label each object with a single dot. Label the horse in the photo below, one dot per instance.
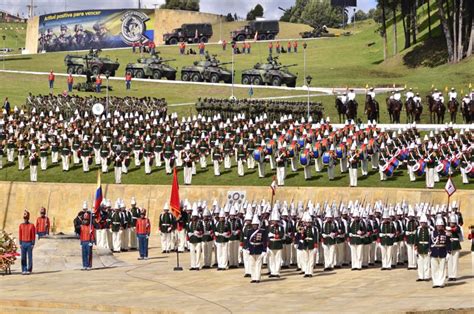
(410, 109)
(418, 111)
(371, 108)
(437, 110)
(351, 110)
(453, 109)
(467, 111)
(341, 109)
(394, 107)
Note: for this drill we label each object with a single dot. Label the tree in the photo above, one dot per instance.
(383, 31)
(375, 14)
(255, 12)
(235, 17)
(188, 5)
(446, 30)
(321, 13)
(360, 16)
(229, 17)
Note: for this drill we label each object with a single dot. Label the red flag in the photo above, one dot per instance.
(174, 200)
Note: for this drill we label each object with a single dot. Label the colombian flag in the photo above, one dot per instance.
(98, 197)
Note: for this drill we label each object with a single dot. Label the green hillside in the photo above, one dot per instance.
(15, 35)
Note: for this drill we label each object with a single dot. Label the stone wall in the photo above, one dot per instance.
(63, 201)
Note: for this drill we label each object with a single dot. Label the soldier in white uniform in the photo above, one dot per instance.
(410, 94)
(417, 98)
(397, 95)
(371, 93)
(187, 163)
(343, 98)
(436, 94)
(351, 95)
(453, 95)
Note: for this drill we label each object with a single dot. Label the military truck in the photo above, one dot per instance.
(208, 70)
(190, 33)
(154, 67)
(90, 62)
(270, 73)
(317, 31)
(265, 30)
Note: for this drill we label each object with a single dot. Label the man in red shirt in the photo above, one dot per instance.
(201, 47)
(27, 234)
(51, 80)
(278, 47)
(270, 47)
(295, 46)
(143, 229)
(288, 46)
(98, 83)
(128, 80)
(87, 240)
(70, 81)
(42, 224)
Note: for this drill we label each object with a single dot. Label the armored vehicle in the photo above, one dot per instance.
(270, 73)
(208, 70)
(154, 67)
(90, 62)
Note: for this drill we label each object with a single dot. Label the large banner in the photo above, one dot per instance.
(82, 30)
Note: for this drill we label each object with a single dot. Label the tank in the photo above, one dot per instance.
(270, 73)
(90, 63)
(208, 70)
(153, 67)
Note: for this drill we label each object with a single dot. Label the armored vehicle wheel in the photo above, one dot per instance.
(240, 37)
(204, 39)
(95, 70)
(214, 78)
(185, 76)
(257, 80)
(246, 80)
(80, 70)
(139, 74)
(70, 70)
(276, 81)
(196, 77)
(270, 37)
(157, 75)
(262, 37)
(173, 41)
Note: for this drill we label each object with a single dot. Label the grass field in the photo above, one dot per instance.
(228, 177)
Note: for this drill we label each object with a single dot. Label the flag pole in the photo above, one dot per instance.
(174, 202)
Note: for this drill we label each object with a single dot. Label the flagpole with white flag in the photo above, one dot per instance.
(450, 188)
(273, 186)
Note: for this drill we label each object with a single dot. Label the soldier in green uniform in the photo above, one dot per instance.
(85, 156)
(357, 232)
(65, 154)
(207, 238)
(104, 155)
(195, 231)
(422, 247)
(222, 235)
(306, 240)
(116, 223)
(44, 154)
(234, 239)
(217, 159)
(135, 213)
(386, 239)
(411, 227)
(166, 226)
(456, 236)
(243, 242)
(168, 155)
(329, 232)
(276, 236)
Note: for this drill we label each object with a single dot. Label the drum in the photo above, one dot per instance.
(301, 142)
(455, 162)
(469, 170)
(291, 151)
(395, 162)
(269, 149)
(339, 152)
(388, 169)
(403, 155)
(257, 154)
(443, 168)
(419, 168)
(304, 159)
(326, 158)
(316, 151)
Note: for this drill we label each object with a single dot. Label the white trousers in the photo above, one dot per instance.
(255, 266)
(286, 255)
(318, 164)
(261, 169)
(356, 255)
(65, 160)
(465, 178)
(364, 167)
(118, 175)
(274, 261)
(103, 164)
(10, 154)
(436, 176)
(293, 164)
(203, 161)
(353, 176)
(307, 172)
(330, 172)
(222, 254)
(101, 236)
(240, 168)
(423, 266)
(136, 157)
(430, 177)
(217, 170)
(158, 159)
(181, 240)
(54, 157)
(167, 165)
(195, 250)
(411, 254)
(343, 164)
(44, 163)
(147, 161)
(383, 176)
(227, 162)
(117, 240)
(411, 174)
(329, 255)
(246, 258)
(250, 163)
(272, 162)
(188, 175)
(85, 163)
(438, 271)
(97, 156)
(234, 252)
(453, 263)
(207, 251)
(386, 256)
(133, 238)
(75, 157)
(165, 241)
(125, 238)
(307, 261)
(21, 162)
(340, 253)
(33, 173)
(281, 175)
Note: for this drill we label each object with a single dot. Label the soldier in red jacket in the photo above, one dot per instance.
(42, 224)
(87, 240)
(27, 234)
(143, 229)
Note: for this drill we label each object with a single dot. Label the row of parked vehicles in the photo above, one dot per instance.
(209, 70)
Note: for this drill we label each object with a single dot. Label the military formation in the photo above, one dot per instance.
(117, 139)
(228, 108)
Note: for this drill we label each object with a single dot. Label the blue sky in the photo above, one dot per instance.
(213, 6)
